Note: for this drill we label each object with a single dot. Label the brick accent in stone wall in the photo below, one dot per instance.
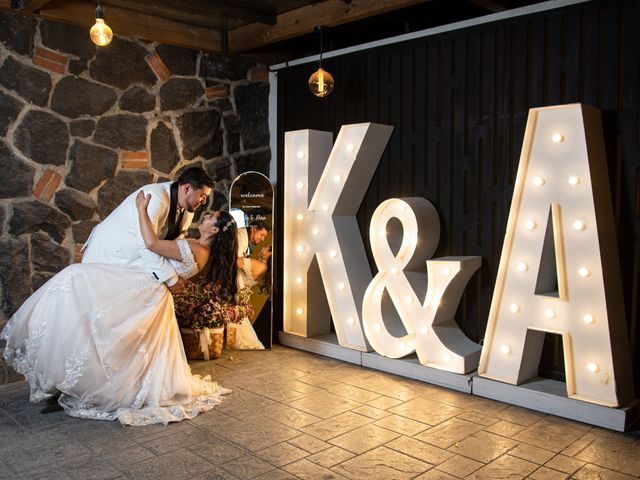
(50, 60)
(158, 67)
(135, 160)
(82, 127)
(47, 185)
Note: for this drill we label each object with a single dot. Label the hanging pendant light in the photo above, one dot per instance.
(100, 33)
(321, 82)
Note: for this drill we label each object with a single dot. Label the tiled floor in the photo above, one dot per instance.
(297, 415)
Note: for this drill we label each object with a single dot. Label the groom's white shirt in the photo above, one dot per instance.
(117, 239)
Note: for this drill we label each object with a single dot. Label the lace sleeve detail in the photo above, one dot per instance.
(187, 267)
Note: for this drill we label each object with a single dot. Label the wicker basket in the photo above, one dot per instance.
(193, 343)
(232, 335)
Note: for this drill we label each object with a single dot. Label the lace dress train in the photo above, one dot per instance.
(105, 337)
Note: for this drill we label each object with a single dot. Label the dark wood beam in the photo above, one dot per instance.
(32, 6)
(129, 23)
(248, 10)
(494, 6)
(303, 20)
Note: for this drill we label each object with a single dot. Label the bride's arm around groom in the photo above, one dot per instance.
(117, 239)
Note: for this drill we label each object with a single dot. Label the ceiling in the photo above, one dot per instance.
(270, 31)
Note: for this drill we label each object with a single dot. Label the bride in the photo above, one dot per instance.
(105, 338)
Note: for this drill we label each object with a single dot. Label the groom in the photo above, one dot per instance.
(117, 239)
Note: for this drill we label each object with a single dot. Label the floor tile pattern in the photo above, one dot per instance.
(295, 415)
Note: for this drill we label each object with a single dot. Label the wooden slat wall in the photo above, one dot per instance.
(459, 103)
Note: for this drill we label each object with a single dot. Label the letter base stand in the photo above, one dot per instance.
(409, 366)
(550, 396)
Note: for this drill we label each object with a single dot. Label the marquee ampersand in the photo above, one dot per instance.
(404, 325)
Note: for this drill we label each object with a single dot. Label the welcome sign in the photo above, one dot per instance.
(558, 271)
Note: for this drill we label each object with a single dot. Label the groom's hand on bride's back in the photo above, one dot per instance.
(176, 287)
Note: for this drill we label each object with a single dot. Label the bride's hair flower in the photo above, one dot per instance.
(228, 224)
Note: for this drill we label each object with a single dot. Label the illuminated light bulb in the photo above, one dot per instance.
(299, 185)
(446, 271)
(409, 299)
(573, 180)
(377, 328)
(299, 216)
(402, 207)
(593, 367)
(436, 303)
(300, 154)
(325, 207)
(588, 318)
(514, 307)
(350, 321)
(424, 330)
(530, 225)
(382, 233)
(549, 313)
(299, 311)
(315, 231)
(523, 267)
(337, 178)
(394, 270)
(446, 357)
(379, 292)
(341, 286)
(299, 280)
(579, 225)
(299, 248)
(100, 34)
(350, 147)
(321, 83)
(538, 181)
(557, 138)
(584, 272)
(506, 349)
(333, 254)
(403, 346)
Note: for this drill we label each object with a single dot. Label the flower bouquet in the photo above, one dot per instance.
(202, 318)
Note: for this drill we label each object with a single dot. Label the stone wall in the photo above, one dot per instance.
(81, 127)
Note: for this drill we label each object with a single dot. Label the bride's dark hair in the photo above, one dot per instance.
(224, 257)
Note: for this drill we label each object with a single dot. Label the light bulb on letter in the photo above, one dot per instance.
(593, 367)
(298, 280)
(584, 272)
(557, 138)
(573, 181)
(530, 225)
(523, 267)
(506, 349)
(515, 308)
(341, 286)
(549, 313)
(299, 311)
(579, 225)
(538, 181)
(588, 318)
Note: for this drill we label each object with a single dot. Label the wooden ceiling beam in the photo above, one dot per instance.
(300, 21)
(494, 6)
(129, 23)
(32, 6)
(249, 11)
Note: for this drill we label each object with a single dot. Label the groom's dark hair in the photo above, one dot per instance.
(196, 177)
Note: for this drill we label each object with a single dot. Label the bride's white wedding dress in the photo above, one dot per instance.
(246, 338)
(106, 338)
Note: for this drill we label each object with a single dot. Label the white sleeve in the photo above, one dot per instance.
(158, 265)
